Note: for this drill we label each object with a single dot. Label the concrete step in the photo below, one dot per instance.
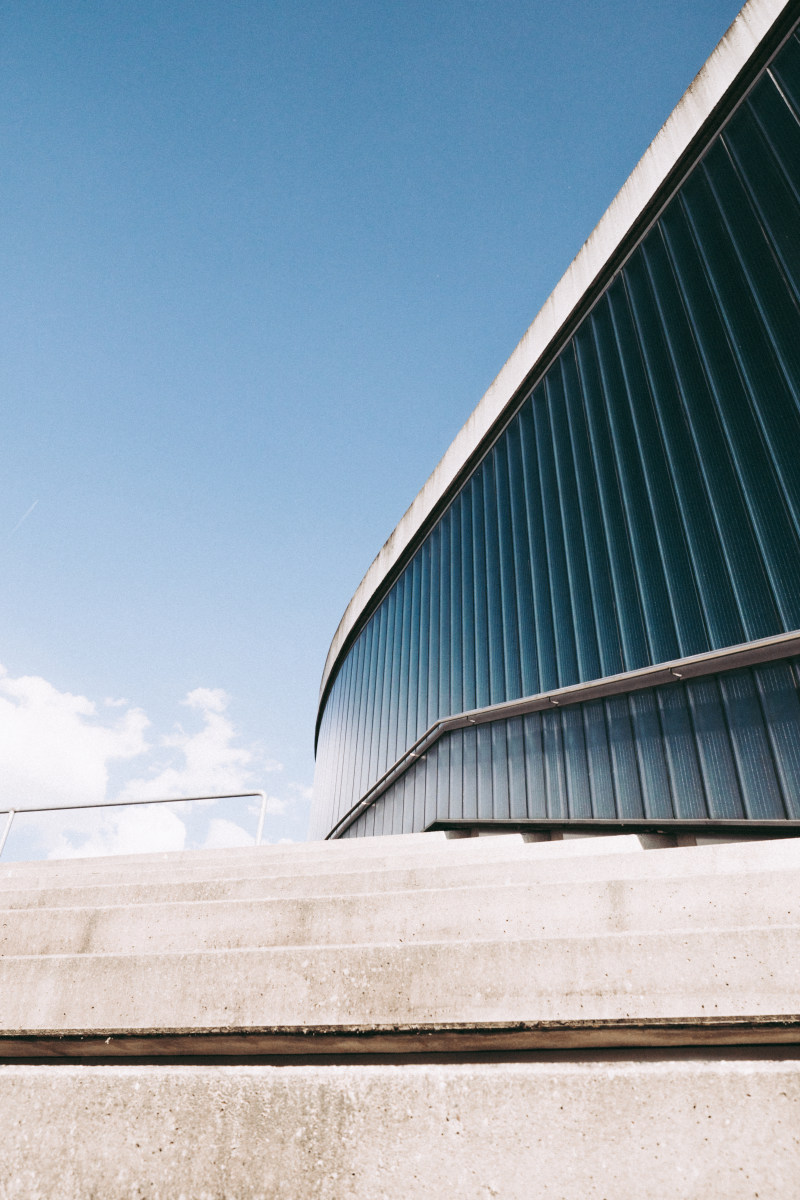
(285, 852)
(417, 846)
(403, 851)
(587, 860)
(204, 864)
(748, 971)
(680, 1128)
(492, 912)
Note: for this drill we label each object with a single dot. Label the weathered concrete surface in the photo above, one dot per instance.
(317, 858)
(283, 852)
(454, 863)
(700, 973)
(310, 858)
(418, 945)
(683, 1128)
(532, 932)
(445, 914)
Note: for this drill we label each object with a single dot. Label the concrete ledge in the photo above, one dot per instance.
(447, 852)
(680, 1127)
(283, 852)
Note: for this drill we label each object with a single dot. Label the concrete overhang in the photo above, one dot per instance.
(601, 252)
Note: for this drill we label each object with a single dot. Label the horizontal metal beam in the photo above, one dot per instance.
(330, 1042)
(731, 658)
(708, 826)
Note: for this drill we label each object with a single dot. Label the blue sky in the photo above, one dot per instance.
(259, 263)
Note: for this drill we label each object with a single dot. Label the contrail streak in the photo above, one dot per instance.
(24, 517)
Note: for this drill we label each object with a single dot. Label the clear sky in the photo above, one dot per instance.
(259, 262)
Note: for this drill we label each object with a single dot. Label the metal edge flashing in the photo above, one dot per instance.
(753, 830)
(721, 84)
(782, 645)
(286, 1042)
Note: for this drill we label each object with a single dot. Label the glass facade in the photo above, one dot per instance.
(642, 505)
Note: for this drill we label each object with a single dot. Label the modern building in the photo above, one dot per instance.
(591, 611)
(589, 614)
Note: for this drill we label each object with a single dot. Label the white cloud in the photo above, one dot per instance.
(207, 699)
(53, 747)
(121, 831)
(57, 749)
(208, 761)
(276, 807)
(224, 834)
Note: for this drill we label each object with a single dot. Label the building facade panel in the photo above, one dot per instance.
(724, 747)
(641, 505)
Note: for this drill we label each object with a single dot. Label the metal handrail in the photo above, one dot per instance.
(39, 808)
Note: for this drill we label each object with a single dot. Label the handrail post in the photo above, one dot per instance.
(7, 830)
(261, 817)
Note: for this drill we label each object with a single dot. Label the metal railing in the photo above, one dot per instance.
(729, 658)
(41, 808)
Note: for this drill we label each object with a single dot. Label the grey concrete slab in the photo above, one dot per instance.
(246, 860)
(451, 853)
(743, 972)
(492, 912)
(373, 847)
(405, 851)
(675, 1128)
(620, 861)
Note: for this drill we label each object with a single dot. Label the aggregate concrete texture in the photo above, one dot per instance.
(605, 1128)
(731, 972)
(283, 852)
(481, 931)
(505, 911)
(454, 862)
(402, 948)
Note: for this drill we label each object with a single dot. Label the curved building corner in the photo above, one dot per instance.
(591, 613)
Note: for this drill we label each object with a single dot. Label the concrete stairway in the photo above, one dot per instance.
(240, 1005)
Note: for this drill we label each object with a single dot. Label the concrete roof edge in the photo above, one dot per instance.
(698, 101)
